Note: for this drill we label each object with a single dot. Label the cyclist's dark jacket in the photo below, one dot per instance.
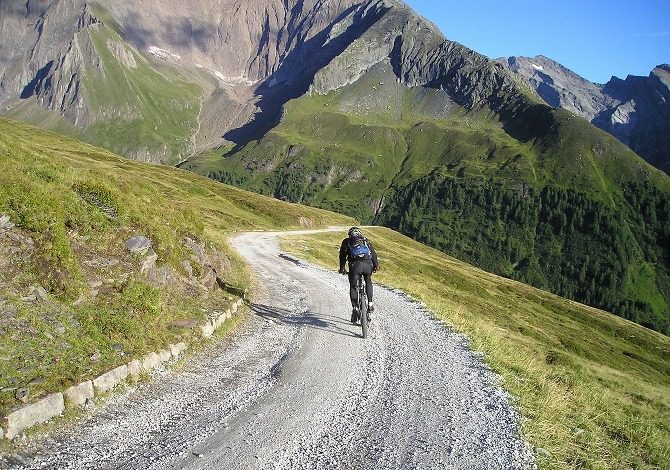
(345, 255)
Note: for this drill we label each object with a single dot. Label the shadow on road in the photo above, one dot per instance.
(307, 319)
(292, 260)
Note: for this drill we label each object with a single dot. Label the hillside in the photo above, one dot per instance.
(74, 299)
(594, 389)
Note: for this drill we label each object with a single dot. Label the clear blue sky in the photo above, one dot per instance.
(594, 38)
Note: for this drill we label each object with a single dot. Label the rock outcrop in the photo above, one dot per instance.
(635, 110)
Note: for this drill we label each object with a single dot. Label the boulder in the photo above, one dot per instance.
(5, 223)
(22, 394)
(149, 262)
(37, 294)
(186, 264)
(209, 278)
(138, 244)
(111, 379)
(198, 251)
(39, 412)
(78, 394)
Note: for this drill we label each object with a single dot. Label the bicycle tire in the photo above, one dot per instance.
(363, 308)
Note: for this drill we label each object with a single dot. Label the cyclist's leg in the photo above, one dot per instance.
(366, 269)
(353, 294)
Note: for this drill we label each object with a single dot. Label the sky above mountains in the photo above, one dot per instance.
(594, 38)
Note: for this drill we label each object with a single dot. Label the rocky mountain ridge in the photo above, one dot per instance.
(247, 59)
(635, 110)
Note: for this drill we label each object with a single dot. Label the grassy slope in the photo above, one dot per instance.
(594, 387)
(45, 183)
(164, 104)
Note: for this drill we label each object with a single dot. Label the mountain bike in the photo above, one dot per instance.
(362, 304)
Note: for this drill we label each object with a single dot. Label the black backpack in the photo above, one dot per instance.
(359, 249)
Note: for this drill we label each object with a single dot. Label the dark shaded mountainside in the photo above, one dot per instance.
(635, 110)
(360, 107)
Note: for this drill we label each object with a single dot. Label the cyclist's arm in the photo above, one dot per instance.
(375, 261)
(343, 254)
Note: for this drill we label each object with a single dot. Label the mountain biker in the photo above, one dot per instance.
(362, 260)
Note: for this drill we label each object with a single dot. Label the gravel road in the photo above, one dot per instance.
(297, 387)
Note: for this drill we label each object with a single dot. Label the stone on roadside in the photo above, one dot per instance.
(134, 368)
(39, 412)
(164, 355)
(207, 330)
(138, 244)
(177, 349)
(78, 394)
(111, 379)
(150, 361)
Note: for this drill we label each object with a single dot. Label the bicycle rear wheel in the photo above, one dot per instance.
(363, 310)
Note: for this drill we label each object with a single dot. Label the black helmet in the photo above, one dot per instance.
(355, 232)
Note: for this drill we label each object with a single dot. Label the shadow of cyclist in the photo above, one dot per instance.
(307, 319)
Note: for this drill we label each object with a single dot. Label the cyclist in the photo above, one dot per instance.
(362, 260)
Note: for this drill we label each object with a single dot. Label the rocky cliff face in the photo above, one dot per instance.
(43, 53)
(635, 110)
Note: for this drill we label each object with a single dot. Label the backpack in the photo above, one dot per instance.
(359, 249)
